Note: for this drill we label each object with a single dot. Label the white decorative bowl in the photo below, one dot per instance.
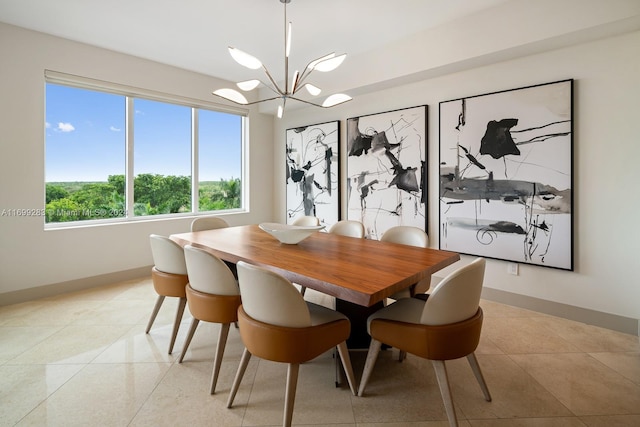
(289, 234)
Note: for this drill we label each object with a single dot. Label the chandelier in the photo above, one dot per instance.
(298, 81)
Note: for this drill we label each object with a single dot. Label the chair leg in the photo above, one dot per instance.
(156, 309)
(372, 356)
(475, 367)
(244, 361)
(346, 364)
(290, 393)
(187, 341)
(445, 391)
(217, 361)
(176, 323)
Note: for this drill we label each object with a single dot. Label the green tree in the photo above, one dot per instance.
(55, 192)
(232, 189)
(94, 195)
(177, 193)
(63, 210)
(117, 182)
(162, 194)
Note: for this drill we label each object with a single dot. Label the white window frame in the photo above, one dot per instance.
(55, 77)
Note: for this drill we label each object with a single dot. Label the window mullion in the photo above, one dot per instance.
(195, 172)
(129, 178)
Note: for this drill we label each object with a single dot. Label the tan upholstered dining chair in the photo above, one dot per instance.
(306, 221)
(348, 228)
(169, 276)
(445, 326)
(411, 236)
(213, 296)
(276, 324)
(208, 223)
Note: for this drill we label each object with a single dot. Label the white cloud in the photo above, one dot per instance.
(47, 125)
(65, 127)
(114, 129)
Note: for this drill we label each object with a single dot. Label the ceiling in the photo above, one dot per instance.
(195, 34)
(383, 34)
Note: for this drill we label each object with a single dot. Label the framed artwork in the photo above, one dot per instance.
(387, 170)
(313, 170)
(506, 175)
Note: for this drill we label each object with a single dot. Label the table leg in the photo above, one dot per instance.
(357, 314)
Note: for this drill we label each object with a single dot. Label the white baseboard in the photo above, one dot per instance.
(16, 297)
(614, 322)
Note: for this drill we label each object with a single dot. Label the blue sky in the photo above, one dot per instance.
(85, 138)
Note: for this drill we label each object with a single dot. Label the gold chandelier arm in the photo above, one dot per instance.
(299, 84)
(301, 80)
(245, 103)
(338, 98)
(275, 87)
(306, 102)
(310, 67)
(264, 100)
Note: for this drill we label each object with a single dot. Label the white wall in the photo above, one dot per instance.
(606, 153)
(31, 257)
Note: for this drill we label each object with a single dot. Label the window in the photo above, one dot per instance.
(183, 158)
(162, 158)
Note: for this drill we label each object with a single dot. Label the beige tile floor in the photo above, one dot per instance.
(83, 359)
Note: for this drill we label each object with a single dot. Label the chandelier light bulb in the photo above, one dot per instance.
(288, 49)
(245, 59)
(313, 63)
(313, 90)
(231, 95)
(248, 85)
(336, 99)
(330, 64)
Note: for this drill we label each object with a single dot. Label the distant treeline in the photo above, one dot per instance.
(153, 195)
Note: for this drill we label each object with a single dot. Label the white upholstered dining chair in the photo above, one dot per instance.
(445, 326)
(306, 221)
(348, 228)
(412, 236)
(213, 296)
(169, 276)
(208, 223)
(276, 324)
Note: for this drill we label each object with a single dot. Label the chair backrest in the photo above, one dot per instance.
(208, 223)
(307, 221)
(208, 273)
(271, 298)
(406, 235)
(348, 228)
(168, 256)
(457, 296)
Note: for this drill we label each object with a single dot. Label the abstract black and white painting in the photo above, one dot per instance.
(506, 175)
(386, 170)
(313, 168)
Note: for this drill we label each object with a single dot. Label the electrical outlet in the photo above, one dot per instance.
(512, 268)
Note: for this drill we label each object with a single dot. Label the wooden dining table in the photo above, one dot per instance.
(360, 271)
